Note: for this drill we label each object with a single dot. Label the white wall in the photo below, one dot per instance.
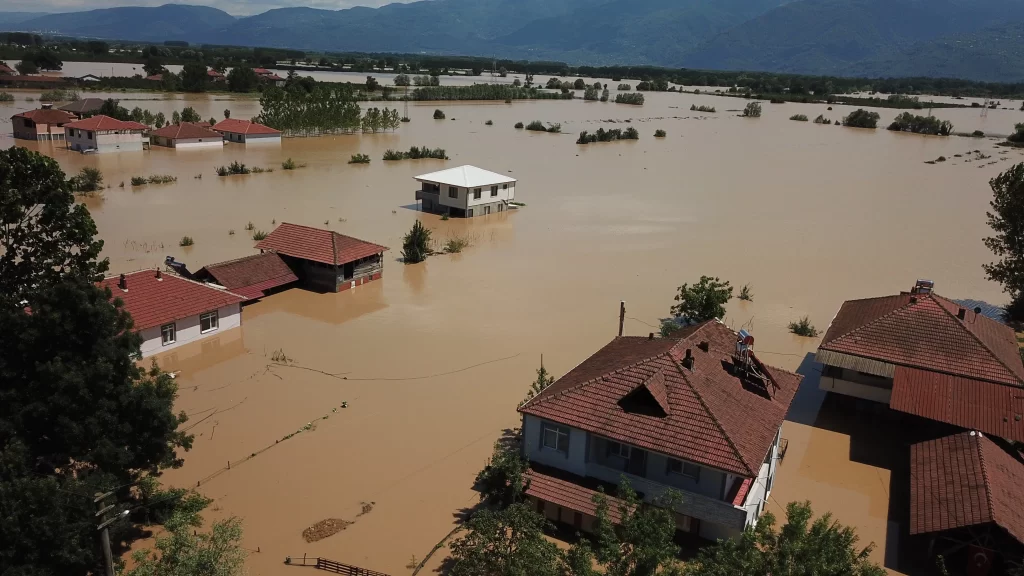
(485, 194)
(199, 143)
(104, 142)
(840, 386)
(574, 462)
(187, 330)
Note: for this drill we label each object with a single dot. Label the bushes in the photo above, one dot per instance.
(660, 134)
(489, 123)
(153, 179)
(6, 97)
(590, 94)
(456, 244)
(635, 99)
(359, 159)
(258, 235)
(1018, 134)
(977, 134)
(702, 108)
(803, 327)
(822, 120)
(799, 117)
(87, 180)
(416, 153)
(438, 114)
(907, 122)
(416, 244)
(487, 92)
(861, 118)
(186, 241)
(232, 169)
(59, 95)
(603, 135)
(604, 95)
(752, 110)
(519, 126)
(138, 180)
(290, 164)
(625, 87)
(538, 126)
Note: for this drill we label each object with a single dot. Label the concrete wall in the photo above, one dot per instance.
(188, 142)
(28, 130)
(575, 461)
(852, 383)
(485, 194)
(465, 201)
(82, 140)
(187, 330)
(252, 138)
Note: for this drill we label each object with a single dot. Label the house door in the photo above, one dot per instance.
(349, 270)
(487, 210)
(637, 464)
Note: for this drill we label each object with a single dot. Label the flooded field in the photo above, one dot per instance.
(433, 359)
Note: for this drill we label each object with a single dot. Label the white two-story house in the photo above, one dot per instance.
(696, 412)
(465, 191)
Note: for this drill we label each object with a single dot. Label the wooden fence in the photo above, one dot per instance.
(332, 566)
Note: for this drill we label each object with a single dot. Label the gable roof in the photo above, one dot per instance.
(237, 126)
(964, 480)
(155, 77)
(84, 105)
(251, 275)
(46, 116)
(466, 176)
(924, 331)
(317, 244)
(101, 122)
(5, 69)
(711, 416)
(154, 301)
(187, 130)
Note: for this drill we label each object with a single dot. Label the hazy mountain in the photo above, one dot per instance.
(830, 36)
(18, 17)
(167, 22)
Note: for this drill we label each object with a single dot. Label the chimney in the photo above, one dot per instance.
(159, 277)
(122, 283)
(977, 309)
(961, 314)
(650, 336)
(688, 360)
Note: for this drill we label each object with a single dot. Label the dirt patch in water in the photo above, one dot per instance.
(325, 529)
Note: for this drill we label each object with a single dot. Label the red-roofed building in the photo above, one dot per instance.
(187, 135)
(251, 276)
(105, 134)
(214, 76)
(697, 412)
(323, 259)
(246, 131)
(155, 78)
(6, 70)
(925, 355)
(43, 124)
(966, 496)
(170, 311)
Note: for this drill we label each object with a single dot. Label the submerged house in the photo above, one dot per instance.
(105, 134)
(247, 132)
(465, 191)
(252, 276)
(187, 135)
(170, 311)
(42, 124)
(697, 412)
(325, 260)
(84, 106)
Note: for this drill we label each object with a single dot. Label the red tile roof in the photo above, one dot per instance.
(5, 69)
(101, 122)
(563, 489)
(156, 77)
(237, 126)
(187, 130)
(923, 331)
(251, 275)
(272, 77)
(260, 71)
(996, 409)
(42, 79)
(47, 116)
(964, 480)
(214, 74)
(155, 301)
(318, 245)
(714, 417)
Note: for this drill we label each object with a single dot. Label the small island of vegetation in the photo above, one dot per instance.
(702, 108)
(752, 110)
(416, 153)
(861, 118)
(538, 126)
(603, 135)
(635, 99)
(359, 159)
(799, 117)
(908, 122)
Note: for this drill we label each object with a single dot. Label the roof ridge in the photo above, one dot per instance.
(865, 325)
(540, 400)
(173, 274)
(984, 473)
(239, 259)
(714, 418)
(961, 325)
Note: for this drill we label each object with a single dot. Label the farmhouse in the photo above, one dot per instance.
(43, 124)
(105, 134)
(83, 107)
(186, 135)
(325, 260)
(465, 191)
(247, 132)
(252, 276)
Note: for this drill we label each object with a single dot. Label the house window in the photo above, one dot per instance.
(208, 322)
(88, 135)
(168, 334)
(476, 194)
(555, 438)
(684, 468)
(494, 191)
(453, 192)
(504, 186)
(617, 449)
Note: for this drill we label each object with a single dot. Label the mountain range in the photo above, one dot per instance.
(973, 39)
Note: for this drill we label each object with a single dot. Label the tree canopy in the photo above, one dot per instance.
(702, 301)
(194, 77)
(1007, 222)
(507, 542)
(183, 551)
(242, 79)
(416, 244)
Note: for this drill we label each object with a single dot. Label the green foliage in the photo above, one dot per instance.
(1006, 218)
(153, 179)
(803, 327)
(507, 542)
(502, 482)
(822, 120)
(656, 85)
(288, 164)
(861, 118)
(489, 123)
(641, 544)
(425, 80)
(233, 169)
(375, 120)
(625, 87)
(823, 548)
(258, 235)
(138, 180)
(799, 117)
(456, 244)
(194, 77)
(189, 114)
(702, 108)
(702, 301)
(538, 126)
(87, 180)
(519, 126)
(416, 153)
(402, 80)
(59, 95)
(371, 84)
(416, 244)
(579, 84)
(660, 133)
(542, 381)
(613, 134)
(1018, 134)
(485, 92)
(186, 241)
(242, 79)
(359, 159)
(6, 97)
(153, 66)
(907, 122)
(605, 95)
(590, 93)
(183, 551)
(296, 112)
(438, 114)
(26, 67)
(752, 110)
(635, 99)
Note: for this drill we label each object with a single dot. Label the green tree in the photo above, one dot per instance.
(752, 110)
(189, 114)
(1018, 132)
(182, 551)
(861, 118)
(175, 118)
(242, 79)
(579, 84)
(542, 381)
(371, 84)
(822, 548)
(507, 542)
(88, 179)
(502, 482)
(26, 67)
(641, 544)
(702, 301)
(153, 66)
(1006, 219)
(159, 120)
(227, 113)
(402, 80)
(113, 108)
(194, 77)
(416, 244)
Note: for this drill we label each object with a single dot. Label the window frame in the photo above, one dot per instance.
(163, 334)
(453, 192)
(682, 471)
(214, 326)
(618, 449)
(559, 432)
(494, 191)
(477, 192)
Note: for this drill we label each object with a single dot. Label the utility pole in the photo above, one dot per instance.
(622, 315)
(103, 528)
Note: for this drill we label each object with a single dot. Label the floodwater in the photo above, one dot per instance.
(433, 359)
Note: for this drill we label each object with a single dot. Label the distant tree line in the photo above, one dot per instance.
(296, 112)
(907, 122)
(485, 92)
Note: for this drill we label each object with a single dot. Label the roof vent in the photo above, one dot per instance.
(704, 345)
(650, 336)
(977, 309)
(961, 313)
(159, 276)
(122, 283)
(923, 286)
(688, 360)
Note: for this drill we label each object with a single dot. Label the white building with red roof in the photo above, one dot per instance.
(170, 311)
(187, 135)
(45, 123)
(697, 413)
(105, 134)
(323, 259)
(247, 132)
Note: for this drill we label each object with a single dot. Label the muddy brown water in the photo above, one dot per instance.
(433, 359)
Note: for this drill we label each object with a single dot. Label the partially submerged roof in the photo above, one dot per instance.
(317, 244)
(636, 390)
(101, 122)
(46, 116)
(252, 275)
(187, 131)
(83, 106)
(925, 331)
(237, 126)
(154, 298)
(466, 176)
(965, 480)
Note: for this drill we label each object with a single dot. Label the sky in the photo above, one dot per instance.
(235, 7)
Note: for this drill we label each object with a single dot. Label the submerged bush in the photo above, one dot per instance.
(636, 99)
(438, 114)
(907, 122)
(360, 159)
(603, 135)
(288, 164)
(6, 97)
(660, 133)
(233, 168)
(861, 118)
(186, 241)
(538, 126)
(799, 117)
(752, 110)
(138, 180)
(259, 235)
(489, 123)
(416, 153)
(519, 126)
(822, 120)
(87, 180)
(803, 327)
(702, 108)
(625, 87)
(58, 95)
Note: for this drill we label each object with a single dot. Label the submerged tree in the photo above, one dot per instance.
(507, 542)
(641, 543)
(702, 301)
(861, 118)
(183, 551)
(537, 386)
(752, 110)
(1007, 222)
(416, 244)
(502, 482)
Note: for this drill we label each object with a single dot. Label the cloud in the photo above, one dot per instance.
(236, 7)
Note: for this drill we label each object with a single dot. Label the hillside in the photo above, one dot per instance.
(167, 22)
(7, 18)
